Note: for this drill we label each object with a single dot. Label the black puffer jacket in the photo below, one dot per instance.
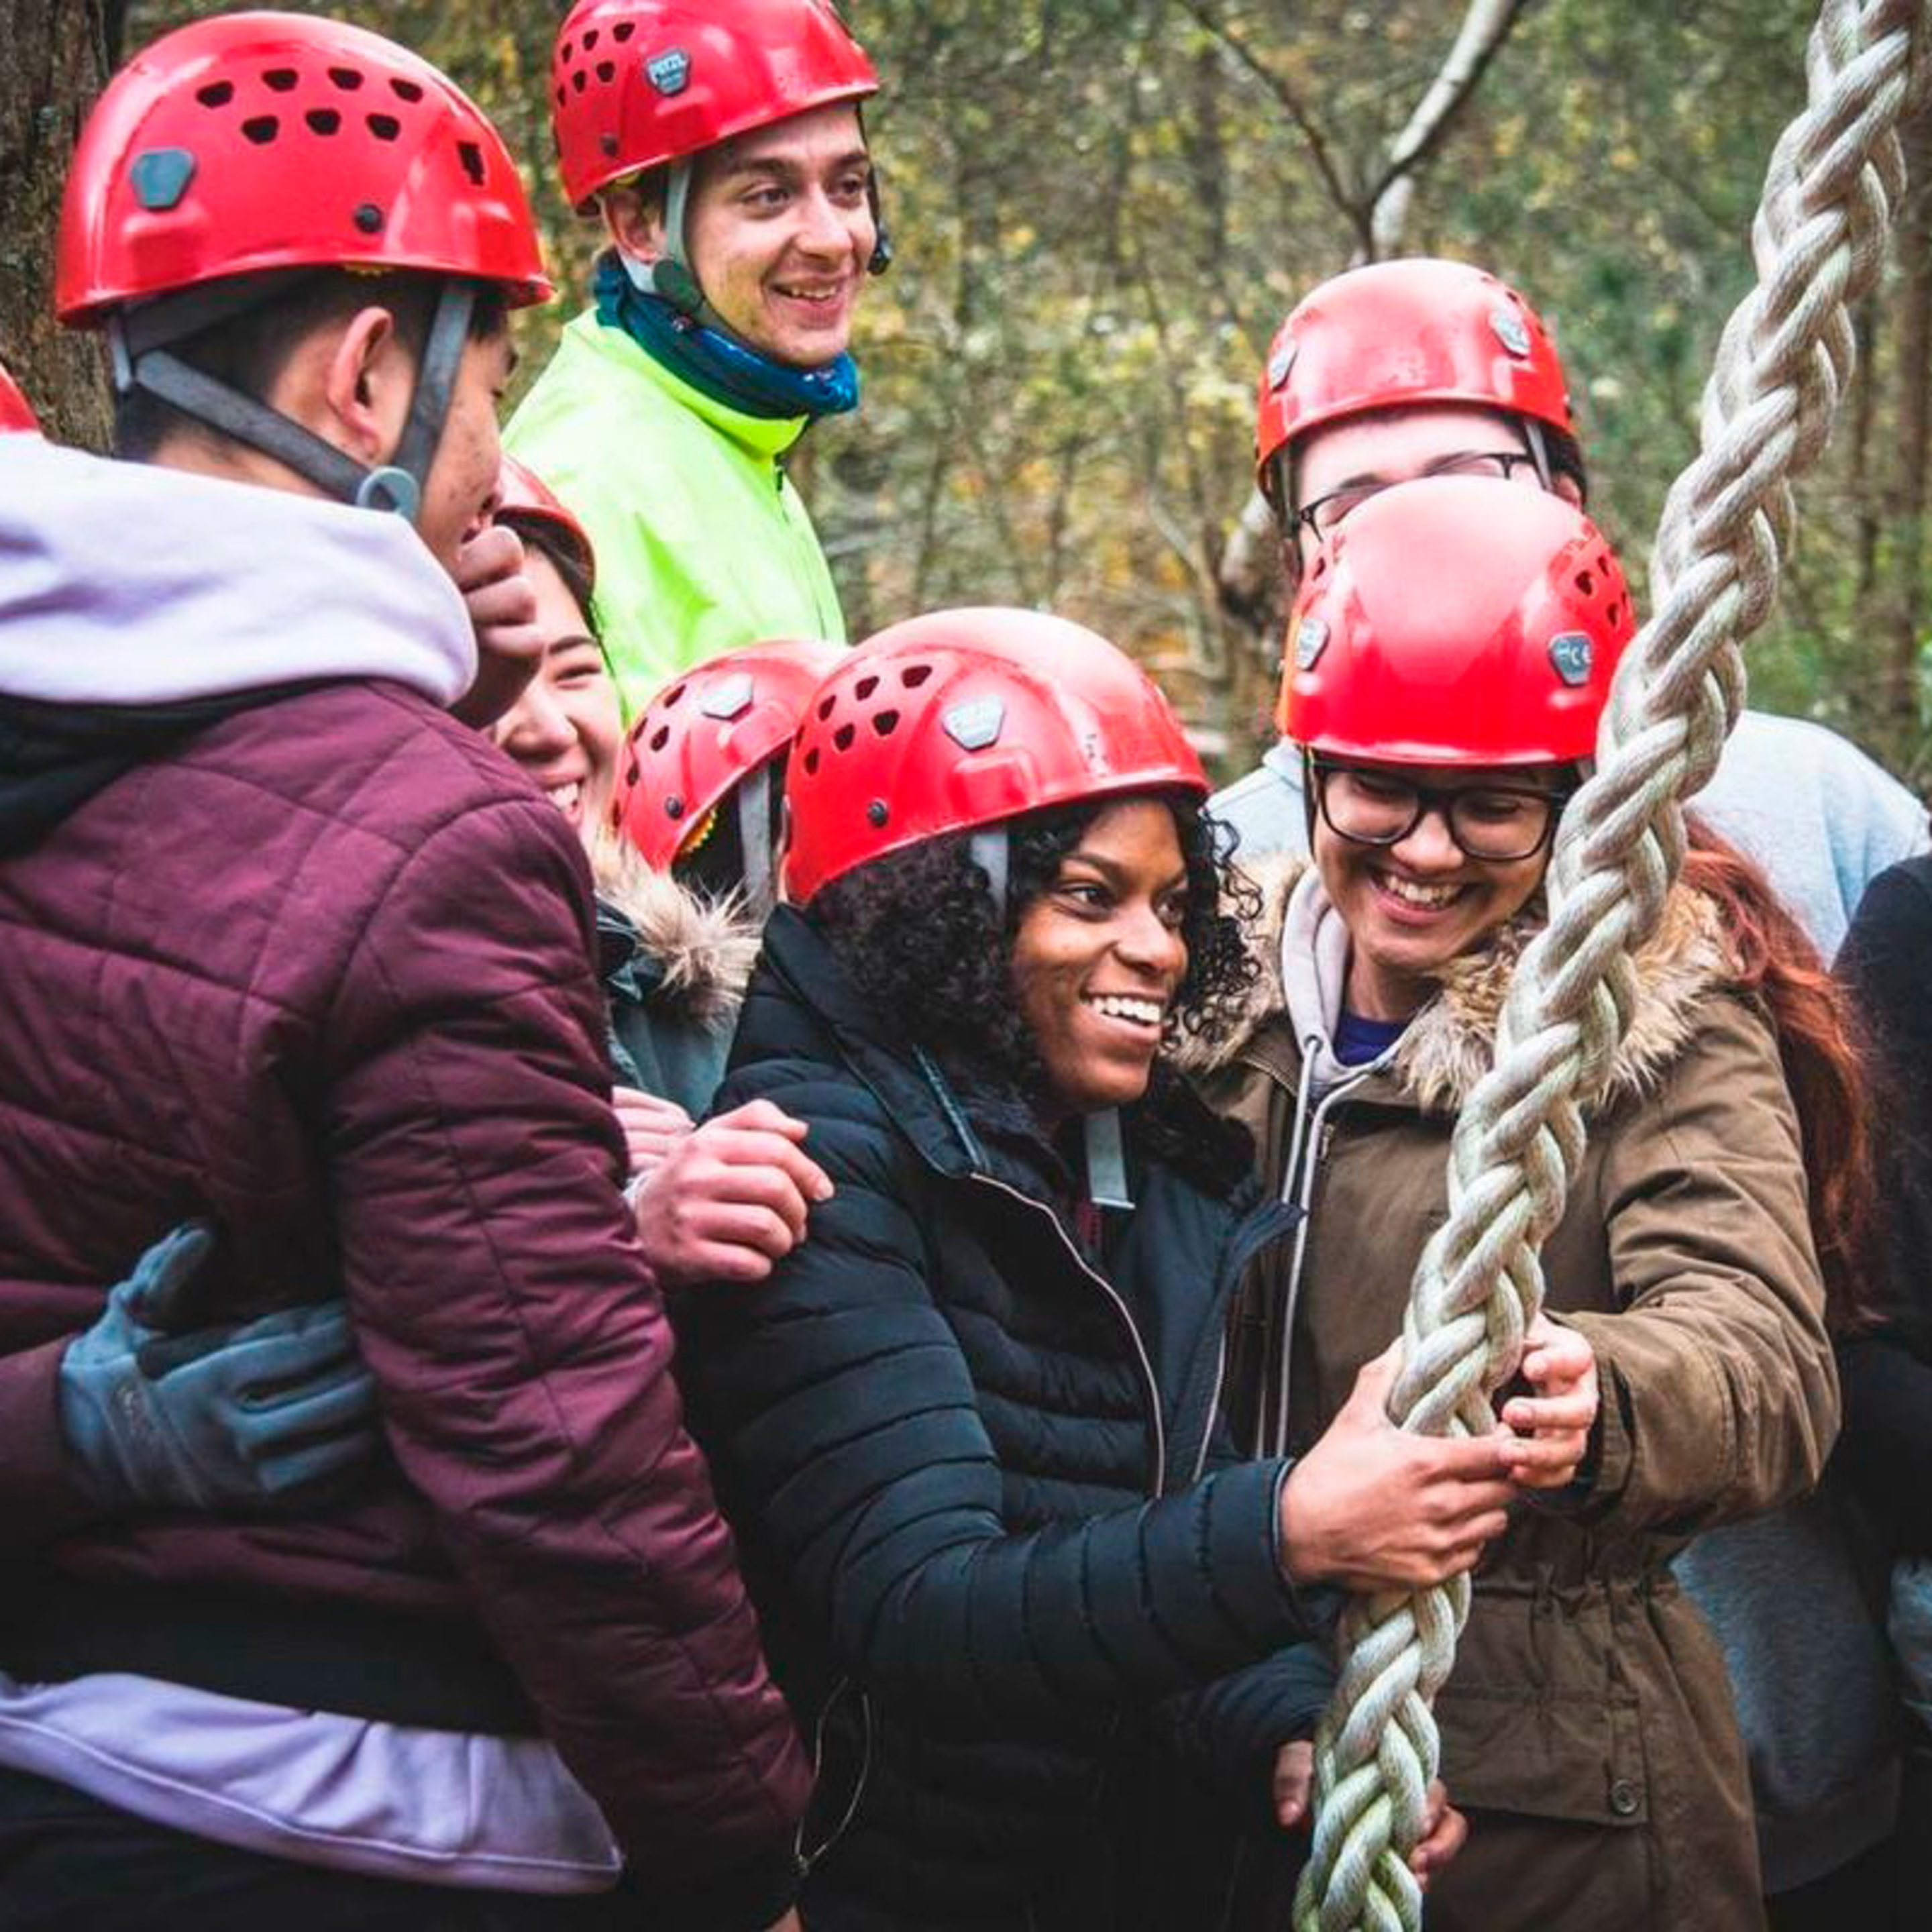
(940, 1428)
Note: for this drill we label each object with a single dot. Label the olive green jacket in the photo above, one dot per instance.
(1588, 1726)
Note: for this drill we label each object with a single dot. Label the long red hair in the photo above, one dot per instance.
(1821, 1043)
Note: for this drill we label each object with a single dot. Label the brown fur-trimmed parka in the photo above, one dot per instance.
(1587, 1728)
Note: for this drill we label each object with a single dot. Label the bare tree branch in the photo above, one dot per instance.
(1250, 563)
(1486, 26)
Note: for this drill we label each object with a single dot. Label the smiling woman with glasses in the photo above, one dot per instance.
(1450, 655)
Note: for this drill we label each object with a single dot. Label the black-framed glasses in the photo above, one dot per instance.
(1377, 807)
(1323, 514)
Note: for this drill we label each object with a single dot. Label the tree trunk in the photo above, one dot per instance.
(54, 54)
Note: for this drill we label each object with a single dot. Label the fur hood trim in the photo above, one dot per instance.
(707, 951)
(1450, 1044)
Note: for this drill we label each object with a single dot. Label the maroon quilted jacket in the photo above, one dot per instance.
(322, 972)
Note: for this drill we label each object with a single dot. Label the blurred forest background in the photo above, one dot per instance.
(1103, 208)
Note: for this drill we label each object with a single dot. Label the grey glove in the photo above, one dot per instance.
(271, 1414)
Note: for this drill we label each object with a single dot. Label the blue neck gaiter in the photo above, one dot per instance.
(716, 364)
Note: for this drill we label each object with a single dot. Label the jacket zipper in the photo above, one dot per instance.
(803, 1860)
(1149, 1388)
(1298, 1189)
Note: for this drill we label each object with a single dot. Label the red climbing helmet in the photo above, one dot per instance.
(635, 83)
(962, 718)
(1439, 628)
(1395, 333)
(707, 731)
(523, 498)
(251, 142)
(15, 412)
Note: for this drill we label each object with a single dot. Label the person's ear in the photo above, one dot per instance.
(367, 379)
(1563, 484)
(635, 221)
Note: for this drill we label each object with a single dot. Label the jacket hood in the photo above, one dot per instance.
(705, 951)
(1300, 948)
(124, 583)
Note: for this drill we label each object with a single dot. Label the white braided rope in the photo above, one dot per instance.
(1785, 357)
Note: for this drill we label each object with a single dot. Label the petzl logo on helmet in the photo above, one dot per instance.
(1282, 361)
(732, 698)
(1311, 639)
(669, 73)
(976, 724)
(1510, 331)
(1571, 653)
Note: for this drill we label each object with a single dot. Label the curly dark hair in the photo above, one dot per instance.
(918, 933)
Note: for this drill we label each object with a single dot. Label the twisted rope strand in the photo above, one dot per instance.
(1785, 358)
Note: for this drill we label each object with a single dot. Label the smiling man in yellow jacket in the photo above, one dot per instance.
(723, 147)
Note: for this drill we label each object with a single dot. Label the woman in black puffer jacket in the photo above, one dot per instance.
(1008, 1571)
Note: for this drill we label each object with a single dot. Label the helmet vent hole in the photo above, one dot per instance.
(825, 706)
(623, 30)
(216, 94)
(322, 120)
(812, 763)
(564, 52)
(281, 80)
(841, 739)
(606, 71)
(589, 40)
(865, 688)
(384, 127)
(914, 676)
(885, 723)
(406, 90)
(1586, 583)
(261, 129)
(580, 80)
(349, 78)
(670, 698)
(563, 95)
(661, 737)
(471, 156)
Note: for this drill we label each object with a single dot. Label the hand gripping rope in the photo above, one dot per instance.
(1782, 364)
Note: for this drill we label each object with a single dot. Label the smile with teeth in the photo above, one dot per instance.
(818, 297)
(1412, 892)
(1126, 1006)
(565, 796)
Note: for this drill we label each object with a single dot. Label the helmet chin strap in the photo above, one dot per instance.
(755, 838)
(139, 341)
(671, 277)
(1106, 1160)
(1539, 450)
(990, 849)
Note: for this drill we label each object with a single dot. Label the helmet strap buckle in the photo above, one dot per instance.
(391, 488)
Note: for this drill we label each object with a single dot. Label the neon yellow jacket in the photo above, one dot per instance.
(702, 544)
